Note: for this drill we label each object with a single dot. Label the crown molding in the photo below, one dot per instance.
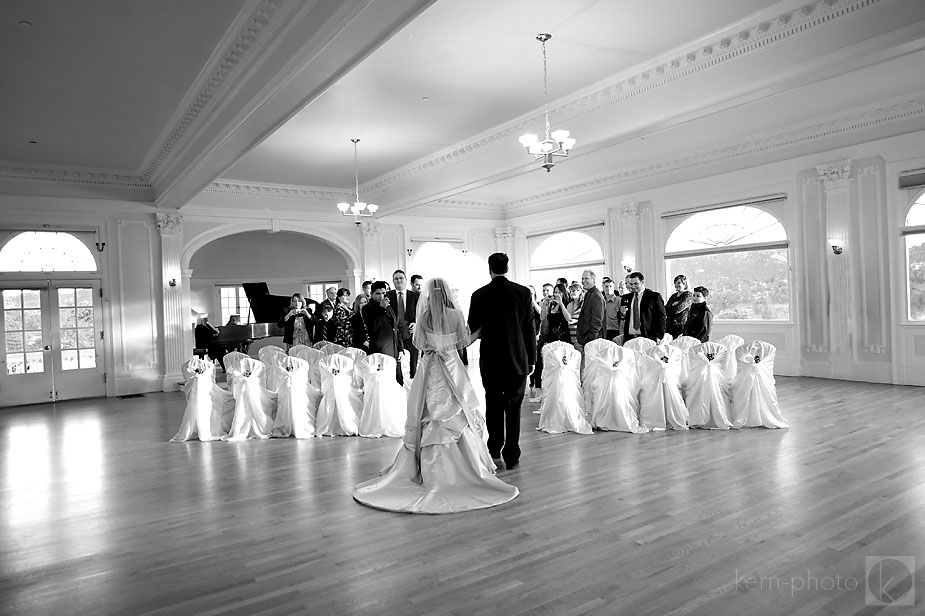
(465, 205)
(210, 80)
(72, 176)
(768, 28)
(885, 112)
(281, 191)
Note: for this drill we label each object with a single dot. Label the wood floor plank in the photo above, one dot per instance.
(99, 514)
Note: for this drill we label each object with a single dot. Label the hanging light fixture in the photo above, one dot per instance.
(557, 142)
(357, 209)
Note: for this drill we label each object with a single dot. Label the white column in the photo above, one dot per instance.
(170, 226)
(370, 249)
(836, 179)
(504, 240)
(624, 238)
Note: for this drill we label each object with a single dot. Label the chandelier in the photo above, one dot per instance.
(557, 142)
(357, 209)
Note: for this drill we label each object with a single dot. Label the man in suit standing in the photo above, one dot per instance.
(404, 303)
(382, 326)
(645, 310)
(331, 300)
(502, 313)
(591, 317)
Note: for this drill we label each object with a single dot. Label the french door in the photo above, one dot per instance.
(52, 342)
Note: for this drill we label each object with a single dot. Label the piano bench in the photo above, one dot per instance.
(201, 353)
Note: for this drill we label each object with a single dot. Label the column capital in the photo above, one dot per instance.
(504, 233)
(836, 174)
(629, 209)
(370, 230)
(169, 223)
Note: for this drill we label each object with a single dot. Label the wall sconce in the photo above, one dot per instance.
(100, 246)
(409, 251)
(465, 252)
(172, 282)
(838, 246)
(627, 266)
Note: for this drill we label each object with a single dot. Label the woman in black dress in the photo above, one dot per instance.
(297, 323)
(678, 306)
(700, 320)
(558, 316)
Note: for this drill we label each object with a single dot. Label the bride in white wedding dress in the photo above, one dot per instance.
(443, 465)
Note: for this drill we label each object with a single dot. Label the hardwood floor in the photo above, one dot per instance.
(101, 515)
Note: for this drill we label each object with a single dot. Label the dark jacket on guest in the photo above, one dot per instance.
(699, 322)
(503, 311)
(360, 337)
(288, 325)
(383, 330)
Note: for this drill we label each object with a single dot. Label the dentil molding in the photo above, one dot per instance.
(279, 191)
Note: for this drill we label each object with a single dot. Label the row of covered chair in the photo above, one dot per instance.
(306, 392)
(642, 386)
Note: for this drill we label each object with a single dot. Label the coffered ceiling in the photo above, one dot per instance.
(174, 101)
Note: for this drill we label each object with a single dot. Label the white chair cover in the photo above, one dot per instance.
(313, 357)
(562, 406)
(298, 401)
(340, 408)
(660, 401)
(754, 391)
(321, 344)
(685, 344)
(616, 391)
(666, 339)
(592, 352)
(385, 402)
(332, 348)
(205, 403)
(618, 340)
(708, 396)
(271, 355)
(731, 342)
(231, 361)
(639, 344)
(356, 355)
(297, 350)
(255, 406)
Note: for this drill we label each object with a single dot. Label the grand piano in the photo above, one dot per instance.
(265, 309)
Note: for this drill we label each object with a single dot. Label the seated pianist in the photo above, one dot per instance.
(205, 335)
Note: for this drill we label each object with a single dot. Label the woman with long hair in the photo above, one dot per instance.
(297, 323)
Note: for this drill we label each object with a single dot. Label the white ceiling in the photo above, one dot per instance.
(157, 101)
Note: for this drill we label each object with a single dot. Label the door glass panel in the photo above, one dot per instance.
(76, 323)
(23, 342)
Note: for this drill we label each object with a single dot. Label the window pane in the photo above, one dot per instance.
(731, 226)
(916, 215)
(32, 319)
(85, 317)
(67, 317)
(572, 274)
(87, 358)
(69, 360)
(68, 338)
(14, 342)
(31, 299)
(915, 268)
(15, 364)
(35, 363)
(46, 251)
(85, 338)
(566, 247)
(12, 298)
(33, 341)
(65, 297)
(743, 285)
(12, 320)
(84, 297)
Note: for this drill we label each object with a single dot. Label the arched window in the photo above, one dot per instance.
(565, 255)
(46, 251)
(741, 255)
(450, 261)
(914, 233)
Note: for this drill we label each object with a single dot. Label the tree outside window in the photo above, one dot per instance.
(914, 234)
(741, 254)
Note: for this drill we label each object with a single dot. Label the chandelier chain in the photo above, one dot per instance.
(356, 169)
(545, 89)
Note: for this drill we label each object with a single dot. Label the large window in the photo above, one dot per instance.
(741, 255)
(565, 255)
(234, 302)
(46, 251)
(914, 233)
(315, 290)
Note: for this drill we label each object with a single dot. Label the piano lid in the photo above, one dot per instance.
(265, 307)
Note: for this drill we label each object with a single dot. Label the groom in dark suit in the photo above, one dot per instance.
(645, 315)
(405, 304)
(502, 312)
